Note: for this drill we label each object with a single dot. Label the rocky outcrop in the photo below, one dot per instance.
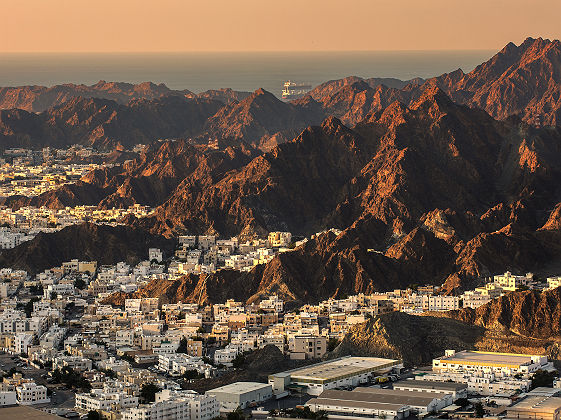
(521, 81)
(418, 339)
(41, 98)
(260, 115)
(106, 124)
(225, 95)
(525, 313)
(86, 242)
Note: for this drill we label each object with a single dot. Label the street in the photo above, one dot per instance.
(60, 396)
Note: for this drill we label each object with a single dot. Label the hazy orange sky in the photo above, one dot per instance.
(271, 25)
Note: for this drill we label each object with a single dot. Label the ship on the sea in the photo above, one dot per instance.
(293, 90)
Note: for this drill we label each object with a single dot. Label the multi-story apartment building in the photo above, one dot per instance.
(97, 400)
(444, 303)
(307, 347)
(510, 282)
(30, 393)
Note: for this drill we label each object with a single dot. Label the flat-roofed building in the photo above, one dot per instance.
(345, 371)
(8, 398)
(420, 402)
(26, 412)
(378, 402)
(457, 390)
(241, 394)
(536, 408)
(307, 347)
(352, 404)
(510, 282)
(501, 364)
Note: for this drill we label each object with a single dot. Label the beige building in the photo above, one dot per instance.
(278, 239)
(307, 347)
(510, 282)
(536, 408)
(195, 347)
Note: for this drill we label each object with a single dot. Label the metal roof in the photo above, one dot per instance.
(383, 396)
(437, 385)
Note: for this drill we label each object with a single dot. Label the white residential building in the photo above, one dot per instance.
(444, 303)
(553, 282)
(474, 299)
(154, 254)
(510, 282)
(97, 399)
(278, 239)
(8, 398)
(30, 393)
(22, 341)
(272, 303)
(226, 355)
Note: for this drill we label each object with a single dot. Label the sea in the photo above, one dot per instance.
(245, 71)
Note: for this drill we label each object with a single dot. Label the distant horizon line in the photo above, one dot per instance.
(249, 51)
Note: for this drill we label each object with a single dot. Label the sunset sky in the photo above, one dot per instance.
(272, 25)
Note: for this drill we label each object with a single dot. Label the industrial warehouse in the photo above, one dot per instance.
(504, 364)
(241, 394)
(342, 372)
(455, 389)
(379, 402)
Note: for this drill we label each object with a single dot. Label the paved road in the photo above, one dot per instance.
(60, 396)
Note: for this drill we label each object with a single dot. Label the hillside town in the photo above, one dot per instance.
(69, 353)
(30, 173)
(23, 224)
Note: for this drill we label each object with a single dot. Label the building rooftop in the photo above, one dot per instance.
(545, 391)
(383, 399)
(485, 358)
(537, 404)
(23, 412)
(357, 404)
(239, 387)
(339, 368)
(438, 385)
(413, 398)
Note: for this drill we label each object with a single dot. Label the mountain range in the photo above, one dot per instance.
(439, 181)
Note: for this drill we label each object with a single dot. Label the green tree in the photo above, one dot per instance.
(192, 374)
(128, 358)
(36, 290)
(479, 410)
(79, 283)
(543, 378)
(237, 414)
(238, 361)
(28, 308)
(462, 402)
(332, 343)
(93, 415)
(148, 392)
(182, 346)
